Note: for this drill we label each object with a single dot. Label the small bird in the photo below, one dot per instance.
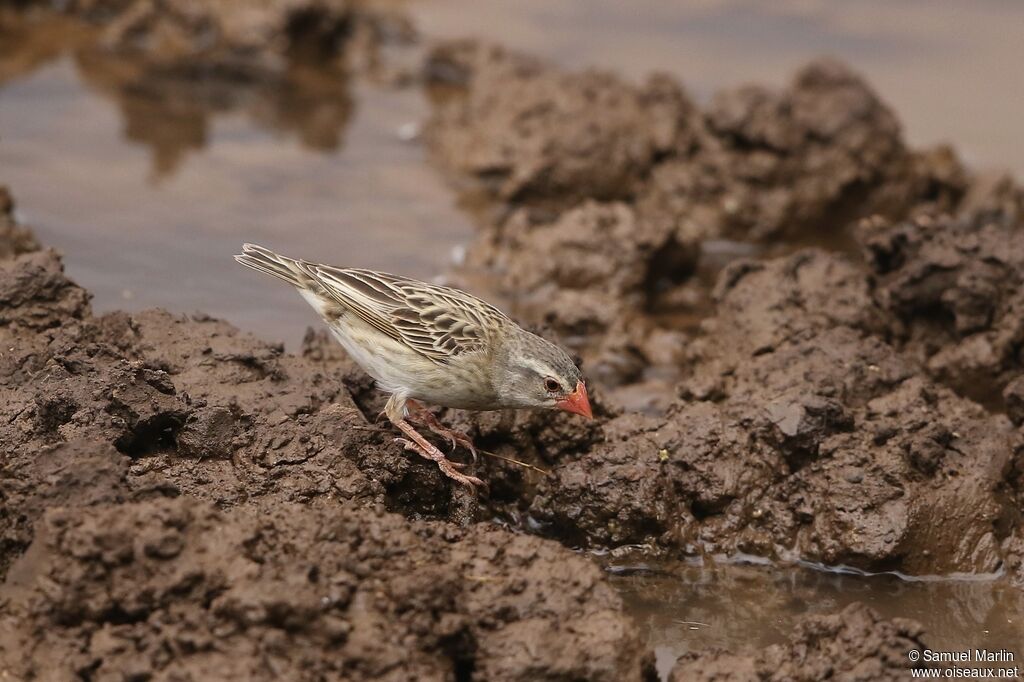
(424, 343)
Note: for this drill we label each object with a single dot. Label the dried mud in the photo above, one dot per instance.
(181, 500)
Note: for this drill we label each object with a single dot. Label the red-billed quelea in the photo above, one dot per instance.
(431, 344)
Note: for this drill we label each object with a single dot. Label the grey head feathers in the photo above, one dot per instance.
(529, 353)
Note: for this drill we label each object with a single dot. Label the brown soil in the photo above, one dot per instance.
(190, 502)
(826, 402)
(180, 500)
(175, 588)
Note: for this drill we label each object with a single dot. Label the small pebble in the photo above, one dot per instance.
(408, 132)
(458, 254)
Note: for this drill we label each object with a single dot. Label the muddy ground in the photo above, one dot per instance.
(804, 341)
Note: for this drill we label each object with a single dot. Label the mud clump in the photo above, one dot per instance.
(178, 498)
(953, 285)
(825, 408)
(756, 164)
(176, 588)
(583, 276)
(14, 238)
(855, 643)
(803, 435)
(34, 294)
(529, 132)
(71, 475)
(798, 163)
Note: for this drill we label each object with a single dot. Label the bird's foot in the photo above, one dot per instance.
(421, 415)
(448, 468)
(456, 438)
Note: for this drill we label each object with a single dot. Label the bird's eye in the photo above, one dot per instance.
(552, 385)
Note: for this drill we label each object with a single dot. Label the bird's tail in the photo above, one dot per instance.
(266, 261)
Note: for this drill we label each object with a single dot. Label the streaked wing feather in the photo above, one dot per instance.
(350, 289)
(437, 322)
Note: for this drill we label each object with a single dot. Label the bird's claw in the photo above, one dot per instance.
(456, 438)
(425, 417)
(447, 467)
(462, 439)
(468, 444)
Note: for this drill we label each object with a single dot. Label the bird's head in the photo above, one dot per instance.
(539, 374)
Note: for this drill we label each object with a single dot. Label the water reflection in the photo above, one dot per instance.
(685, 607)
(169, 110)
(28, 43)
(949, 69)
(168, 107)
(149, 178)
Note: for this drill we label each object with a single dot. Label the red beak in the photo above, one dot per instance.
(577, 402)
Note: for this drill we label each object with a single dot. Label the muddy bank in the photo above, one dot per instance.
(182, 499)
(834, 405)
(953, 287)
(683, 188)
(840, 450)
(755, 163)
(196, 406)
(175, 588)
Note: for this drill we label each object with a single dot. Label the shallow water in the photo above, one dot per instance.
(148, 196)
(950, 70)
(685, 607)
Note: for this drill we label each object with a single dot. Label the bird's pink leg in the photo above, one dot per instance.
(422, 447)
(421, 415)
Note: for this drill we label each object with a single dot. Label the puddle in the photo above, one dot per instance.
(948, 69)
(149, 194)
(685, 607)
